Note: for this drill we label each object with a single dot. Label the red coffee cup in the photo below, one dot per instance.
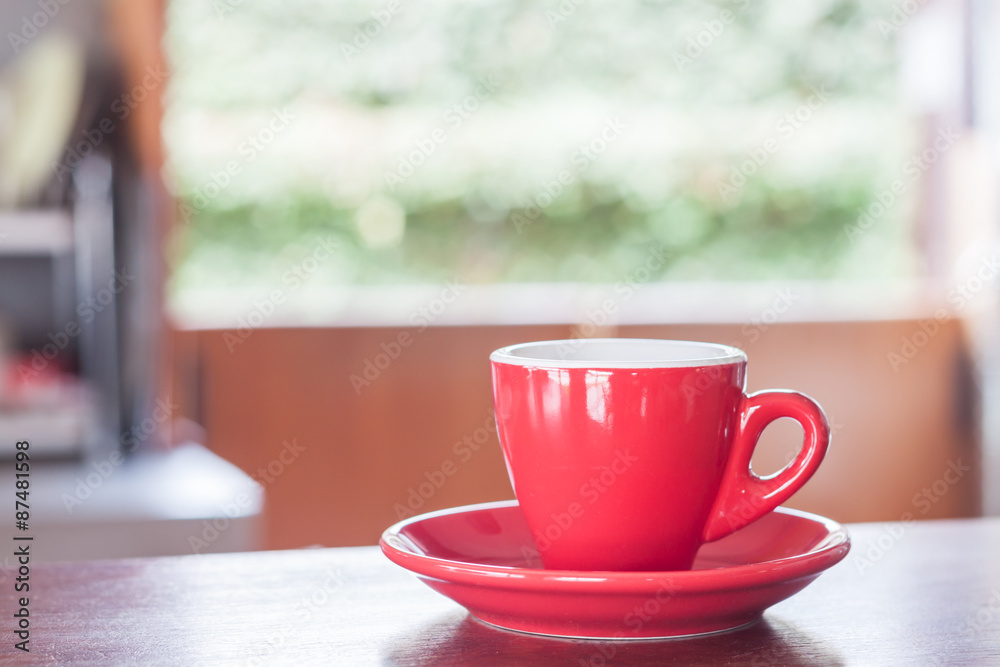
(629, 454)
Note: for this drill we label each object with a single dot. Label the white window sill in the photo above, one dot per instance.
(557, 303)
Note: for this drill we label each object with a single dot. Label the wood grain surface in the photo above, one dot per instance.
(925, 593)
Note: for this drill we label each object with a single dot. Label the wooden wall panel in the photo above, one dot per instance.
(896, 431)
(365, 448)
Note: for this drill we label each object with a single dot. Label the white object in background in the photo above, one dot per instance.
(157, 503)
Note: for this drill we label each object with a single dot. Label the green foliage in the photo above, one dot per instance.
(701, 88)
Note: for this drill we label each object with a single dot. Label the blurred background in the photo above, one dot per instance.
(254, 255)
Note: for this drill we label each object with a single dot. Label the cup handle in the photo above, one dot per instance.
(744, 496)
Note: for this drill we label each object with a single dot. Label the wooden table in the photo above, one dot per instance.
(909, 594)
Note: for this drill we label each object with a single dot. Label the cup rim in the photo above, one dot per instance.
(685, 353)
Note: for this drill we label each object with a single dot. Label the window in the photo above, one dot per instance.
(504, 141)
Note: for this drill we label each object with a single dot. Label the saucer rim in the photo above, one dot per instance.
(828, 553)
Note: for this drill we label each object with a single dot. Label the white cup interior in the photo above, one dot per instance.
(617, 353)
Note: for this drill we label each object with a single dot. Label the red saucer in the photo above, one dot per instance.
(483, 558)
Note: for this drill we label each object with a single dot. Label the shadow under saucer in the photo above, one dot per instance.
(458, 639)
